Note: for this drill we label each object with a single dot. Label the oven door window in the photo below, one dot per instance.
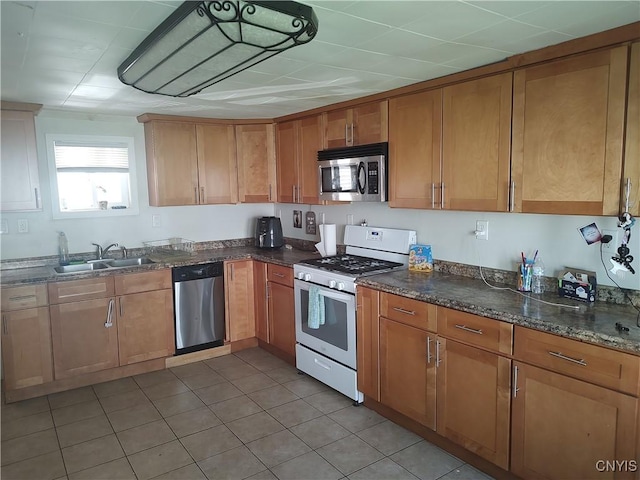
(334, 330)
(340, 178)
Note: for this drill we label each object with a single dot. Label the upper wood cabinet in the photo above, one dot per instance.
(360, 125)
(256, 162)
(20, 182)
(190, 164)
(476, 144)
(297, 145)
(568, 122)
(631, 176)
(415, 125)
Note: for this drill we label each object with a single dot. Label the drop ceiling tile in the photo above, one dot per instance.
(604, 21)
(37, 61)
(494, 36)
(449, 51)
(102, 80)
(507, 8)
(15, 17)
(478, 58)
(313, 52)
(129, 38)
(449, 20)
(399, 43)
(414, 70)
(108, 63)
(278, 65)
(534, 42)
(107, 12)
(150, 15)
(556, 15)
(341, 29)
(394, 13)
(61, 27)
(319, 5)
(358, 59)
(338, 76)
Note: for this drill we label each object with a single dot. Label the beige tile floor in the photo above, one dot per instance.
(246, 415)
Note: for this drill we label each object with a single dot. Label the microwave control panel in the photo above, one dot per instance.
(373, 183)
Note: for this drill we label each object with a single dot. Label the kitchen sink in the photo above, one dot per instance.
(129, 262)
(83, 267)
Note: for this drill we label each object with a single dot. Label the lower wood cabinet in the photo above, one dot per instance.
(260, 306)
(368, 341)
(562, 427)
(239, 293)
(84, 336)
(26, 347)
(282, 330)
(473, 404)
(408, 371)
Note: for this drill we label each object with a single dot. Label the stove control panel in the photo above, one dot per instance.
(332, 280)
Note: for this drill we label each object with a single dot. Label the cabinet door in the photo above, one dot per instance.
(172, 163)
(337, 125)
(473, 400)
(408, 371)
(282, 331)
(562, 427)
(238, 286)
(368, 341)
(145, 326)
(476, 144)
(260, 299)
(256, 163)
(309, 142)
(217, 173)
(632, 149)
(20, 183)
(84, 336)
(414, 150)
(568, 121)
(286, 160)
(26, 348)
(370, 123)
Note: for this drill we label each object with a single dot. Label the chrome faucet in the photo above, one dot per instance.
(123, 249)
(101, 252)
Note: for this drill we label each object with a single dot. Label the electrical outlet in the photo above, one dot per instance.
(23, 226)
(156, 221)
(482, 230)
(613, 245)
(4, 226)
(349, 218)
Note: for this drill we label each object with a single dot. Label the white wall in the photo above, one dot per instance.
(450, 234)
(197, 223)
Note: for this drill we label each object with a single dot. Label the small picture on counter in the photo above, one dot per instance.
(590, 233)
(297, 218)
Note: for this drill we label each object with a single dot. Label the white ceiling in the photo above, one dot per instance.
(64, 54)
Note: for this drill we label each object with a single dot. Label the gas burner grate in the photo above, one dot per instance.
(352, 264)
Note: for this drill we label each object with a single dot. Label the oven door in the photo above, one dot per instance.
(335, 339)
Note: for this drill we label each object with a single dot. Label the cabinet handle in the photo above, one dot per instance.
(512, 196)
(579, 361)
(402, 310)
(442, 195)
(428, 349)
(121, 302)
(109, 322)
(22, 297)
(195, 194)
(37, 197)
(346, 133)
(293, 187)
(266, 291)
(353, 138)
(515, 381)
(201, 195)
(627, 193)
(469, 329)
(4, 325)
(433, 195)
(269, 192)
(231, 271)
(276, 274)
(438, 353)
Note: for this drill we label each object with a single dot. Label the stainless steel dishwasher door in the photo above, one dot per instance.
(199, 313)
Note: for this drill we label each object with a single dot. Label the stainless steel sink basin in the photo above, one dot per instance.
(129, 262)
(83, 267)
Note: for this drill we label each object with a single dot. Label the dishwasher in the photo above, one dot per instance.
(198, 302)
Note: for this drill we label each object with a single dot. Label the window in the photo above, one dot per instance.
(92, 175)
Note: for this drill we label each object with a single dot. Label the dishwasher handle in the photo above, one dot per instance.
(195, 272)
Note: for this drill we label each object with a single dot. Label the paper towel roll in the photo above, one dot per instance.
(328, 238)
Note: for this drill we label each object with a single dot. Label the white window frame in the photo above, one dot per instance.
(133, 209)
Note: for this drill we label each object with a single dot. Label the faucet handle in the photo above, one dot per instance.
(98, 250)
(123, 249)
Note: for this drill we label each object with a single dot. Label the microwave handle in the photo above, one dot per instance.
(361, 184)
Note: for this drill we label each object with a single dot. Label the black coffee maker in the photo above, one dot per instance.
(269, 232)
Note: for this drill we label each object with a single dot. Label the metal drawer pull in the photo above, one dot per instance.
(22, 297)
(4, 325)
(276, 274)
(512, 197)
(109, 322)
(402, 310)
(437, 353)
(428, 349)
(569, 359)
(515, 381)
(469, 329)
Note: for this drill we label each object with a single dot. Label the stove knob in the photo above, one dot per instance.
(307, 277)
(340, 285)
(332, 284)
(300, 275)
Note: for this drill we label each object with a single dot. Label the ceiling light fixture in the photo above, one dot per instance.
(202, 43)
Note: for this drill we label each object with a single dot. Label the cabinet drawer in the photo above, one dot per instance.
(408, 311)
(280, 274)
(24, 296)
(76, 290)
(475, 330)
(598, 365)
(143, 282)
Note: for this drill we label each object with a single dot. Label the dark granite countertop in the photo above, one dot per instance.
(593, 323)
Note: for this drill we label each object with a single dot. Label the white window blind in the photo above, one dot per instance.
(69, 155)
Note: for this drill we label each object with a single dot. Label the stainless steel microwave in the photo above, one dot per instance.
(354, 174)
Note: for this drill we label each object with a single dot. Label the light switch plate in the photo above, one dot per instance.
(310, 222)
(23, 226)
(4, 226)
(155, 220)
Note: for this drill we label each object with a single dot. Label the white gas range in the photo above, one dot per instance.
(325, 308)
